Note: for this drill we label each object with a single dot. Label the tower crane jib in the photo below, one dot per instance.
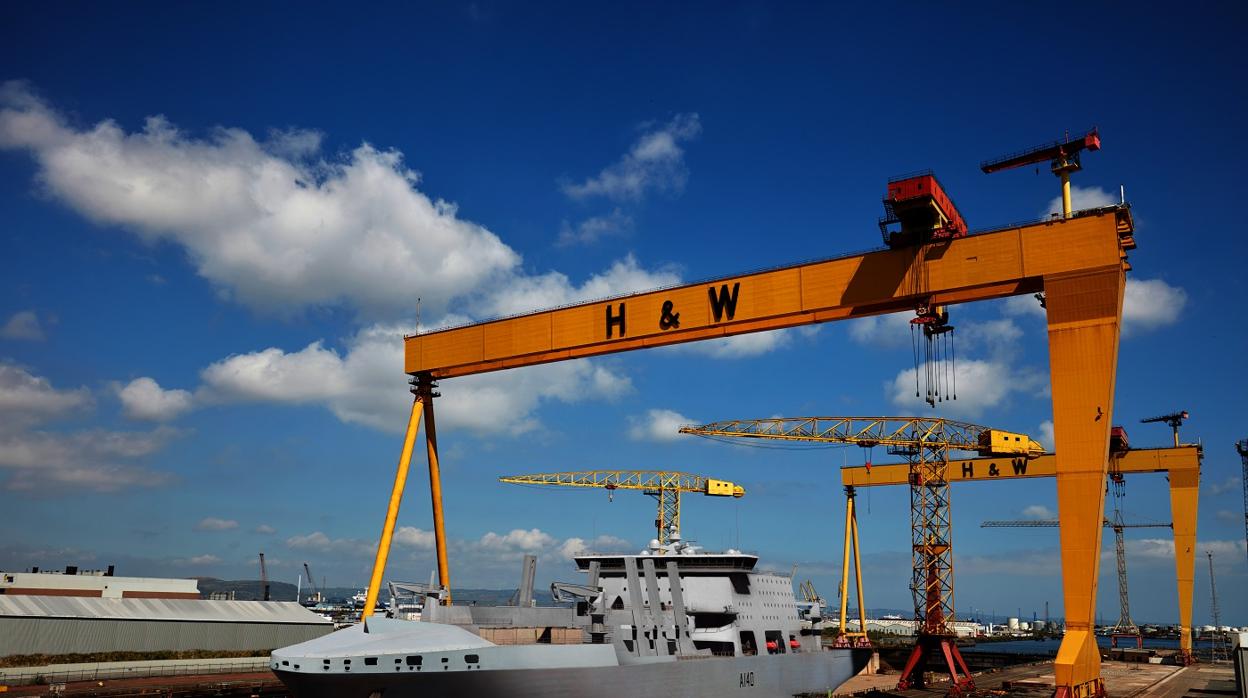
(665, 486)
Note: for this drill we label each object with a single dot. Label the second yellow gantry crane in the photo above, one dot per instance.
(926, 443)
(664, 485)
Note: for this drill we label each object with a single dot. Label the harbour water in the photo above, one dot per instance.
(1049, 646)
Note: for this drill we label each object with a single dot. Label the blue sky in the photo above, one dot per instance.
(219, 221)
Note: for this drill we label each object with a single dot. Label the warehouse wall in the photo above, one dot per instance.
(33, 635)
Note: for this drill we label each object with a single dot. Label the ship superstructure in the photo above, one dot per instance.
(670, 618)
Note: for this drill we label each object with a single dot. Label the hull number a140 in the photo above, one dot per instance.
(747, 679)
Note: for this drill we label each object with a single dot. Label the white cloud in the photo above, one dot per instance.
(1230, 517)
(23, 325)
(265, 530)
(60, 461)
(572, 547)
(1000, 338)
(1230, 484)
(552, 289)
(1147, 304)
(144, 399)
(1039, 511)
(97, 459)
(1082, 198)
(1150, 303)
(1163, 548)
(741, 346)
(892, 330)
(533, 540)
(1045, 435)
(318, 542)
(1024, 305)
(657, 425)
(214, 524)
(366, 385)
(201, 560)
(655, 162)
(28, 399)
(268, 222)
(594, 228)
(412, 537)
(980, 385)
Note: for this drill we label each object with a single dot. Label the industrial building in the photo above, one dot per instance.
(97, 583)
(60, 624)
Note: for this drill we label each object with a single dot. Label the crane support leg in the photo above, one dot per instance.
(392, 513)
(425, 391)
(1184, 491)
(1084, 314)
(851, 551)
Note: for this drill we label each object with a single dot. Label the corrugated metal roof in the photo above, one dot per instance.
(20, 605)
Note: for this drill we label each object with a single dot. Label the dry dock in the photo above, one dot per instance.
(1123, 680)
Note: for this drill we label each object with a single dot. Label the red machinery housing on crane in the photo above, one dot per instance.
(922, 209)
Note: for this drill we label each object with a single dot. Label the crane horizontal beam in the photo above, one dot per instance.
(995, 264)
(1137, 460)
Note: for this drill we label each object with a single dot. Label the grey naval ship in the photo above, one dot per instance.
(670, 620)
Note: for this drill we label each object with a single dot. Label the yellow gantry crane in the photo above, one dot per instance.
(664, 485)
(926, 443)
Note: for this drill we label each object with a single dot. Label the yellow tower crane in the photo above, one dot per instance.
(665, 486)
(925, 442)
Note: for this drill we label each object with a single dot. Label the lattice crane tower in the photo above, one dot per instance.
(925, 442)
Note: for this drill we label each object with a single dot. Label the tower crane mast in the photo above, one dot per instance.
(926, 443)
(665, 486)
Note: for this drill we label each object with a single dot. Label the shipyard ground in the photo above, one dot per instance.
(1125, 680)
(1122, 680)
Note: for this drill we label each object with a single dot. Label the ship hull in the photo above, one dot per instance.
(766, 675)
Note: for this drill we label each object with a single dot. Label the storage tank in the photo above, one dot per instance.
(1012, 624)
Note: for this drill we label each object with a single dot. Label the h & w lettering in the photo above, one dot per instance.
(724, 301)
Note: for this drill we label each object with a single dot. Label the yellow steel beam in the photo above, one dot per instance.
(1184, 491)
(1084, 312)
(392, 511)
(1180, 464)
(1078, 261)
(996, 264)
(1141, 460)
(425, 390)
